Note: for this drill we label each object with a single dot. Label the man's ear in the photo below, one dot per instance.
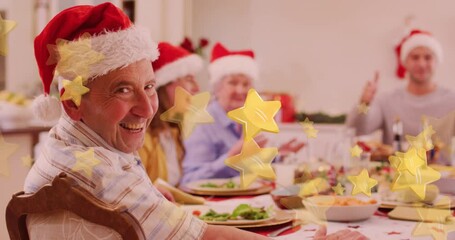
(73, 111)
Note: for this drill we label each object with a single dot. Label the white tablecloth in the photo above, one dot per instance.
(376, 227)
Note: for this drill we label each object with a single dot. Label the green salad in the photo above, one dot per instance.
(229, 184)
(241, 212)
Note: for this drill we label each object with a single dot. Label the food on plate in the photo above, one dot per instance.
(241, 212)
(229, 184)
(346, 201)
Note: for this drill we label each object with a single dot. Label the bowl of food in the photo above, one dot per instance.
(341, 208)
(287, 197)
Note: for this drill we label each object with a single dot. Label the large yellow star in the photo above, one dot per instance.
(74, 90)
(435, 222)
(410, 161)
(75, 58)
(356, 151)
(309, 129)
(6, 151)
(253, 162)
(338, 189)
(256, 115)
(85, 162)
(5, 27)
(363, 108)
(362, 183)
(418, 182)
(188, 110)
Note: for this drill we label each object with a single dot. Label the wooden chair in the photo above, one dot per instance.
(65, 194)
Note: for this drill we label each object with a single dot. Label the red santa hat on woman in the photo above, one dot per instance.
(86, 41)
(225, 62)
(416, 38)
(174, 62)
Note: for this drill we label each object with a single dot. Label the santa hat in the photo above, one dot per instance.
(174, 62)
(225, 62)
(86, 41)
(416, 38)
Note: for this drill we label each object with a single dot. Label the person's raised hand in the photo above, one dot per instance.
(369, 91)
(345, 234)
(292, 146)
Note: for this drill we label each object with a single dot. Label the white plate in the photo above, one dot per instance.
(339, 213)
(196, 185)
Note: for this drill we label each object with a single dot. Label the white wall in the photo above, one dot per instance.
(323, 51)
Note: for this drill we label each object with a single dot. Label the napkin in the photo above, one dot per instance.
(426, 214)
(179, 196)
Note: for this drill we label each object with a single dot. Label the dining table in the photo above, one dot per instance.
(378, 226)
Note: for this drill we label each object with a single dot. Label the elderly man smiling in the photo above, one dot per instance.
(108, 96)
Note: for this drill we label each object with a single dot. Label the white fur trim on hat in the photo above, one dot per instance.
(421, 40)
(233, 64)
(118, 49)
(190, 64)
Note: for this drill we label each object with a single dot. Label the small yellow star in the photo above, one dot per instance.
(309, 129)
(85, 162)
(338, 189)
(356, 151)
(418, 182)
(27, 161)
(363, 108)
(313, 187)
(5, 27)
(75, 58)
(6, 151)
(188, 110)
(362, 183)
(253, 162)
(74, 90)
(256, 115)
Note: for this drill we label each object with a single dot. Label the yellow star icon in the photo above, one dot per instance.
(74, 90)
(188, 110)
(309, 129)
(256, 115)
(85, 162)
(75, 58)
(363, 108)
(410, 161)
(435, 222)
(6, 151)
(418, 182)
(253, 162)
(313, 187)
(362, 183)
(27, 161)
(356, 151)
(5, 27)
(338, 189)
(423, 140)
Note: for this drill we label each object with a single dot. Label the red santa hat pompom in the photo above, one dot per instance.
(416, 38)
(86, 41)
(224, 62)
(174, 62)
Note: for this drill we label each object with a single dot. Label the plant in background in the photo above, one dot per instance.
(187, 44)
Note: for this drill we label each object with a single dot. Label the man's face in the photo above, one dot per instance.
(120, 105)
(232, 90)
(420, 64)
